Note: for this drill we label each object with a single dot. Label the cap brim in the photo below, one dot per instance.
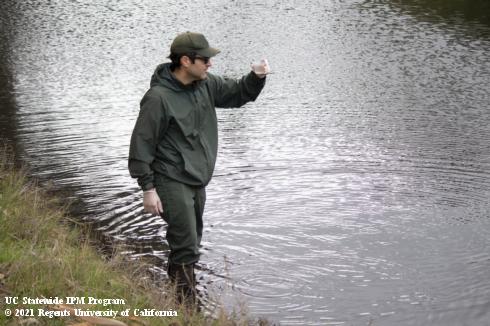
(209, 52)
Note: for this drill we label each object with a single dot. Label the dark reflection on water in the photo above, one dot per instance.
(452, 10)
(7, 101)
(356, 188)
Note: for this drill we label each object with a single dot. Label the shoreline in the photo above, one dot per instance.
(50, 269)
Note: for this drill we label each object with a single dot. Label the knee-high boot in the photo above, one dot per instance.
(184, 279)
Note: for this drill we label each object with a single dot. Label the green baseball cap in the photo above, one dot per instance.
(192, 42)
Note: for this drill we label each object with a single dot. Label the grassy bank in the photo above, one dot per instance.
(43, 254)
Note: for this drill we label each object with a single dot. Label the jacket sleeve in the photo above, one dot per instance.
(230, 93)
(150, 125)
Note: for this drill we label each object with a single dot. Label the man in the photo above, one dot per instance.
(175, 141)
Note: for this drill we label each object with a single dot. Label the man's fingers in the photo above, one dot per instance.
(152, 203)
(150, 208)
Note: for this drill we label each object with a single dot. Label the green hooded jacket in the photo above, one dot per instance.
(176, 133)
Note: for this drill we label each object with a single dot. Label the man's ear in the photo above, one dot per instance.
(185, 61)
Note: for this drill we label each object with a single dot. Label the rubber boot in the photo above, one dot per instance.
(184, 280)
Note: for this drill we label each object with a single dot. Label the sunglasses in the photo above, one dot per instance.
(204, 59)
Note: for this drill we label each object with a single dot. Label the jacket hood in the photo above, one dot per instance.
(163, 76)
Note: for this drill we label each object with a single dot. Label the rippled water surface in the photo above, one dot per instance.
(354, 190)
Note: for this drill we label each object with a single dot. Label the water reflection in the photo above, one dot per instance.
(355, 188)
(454, 11)
(8, 123)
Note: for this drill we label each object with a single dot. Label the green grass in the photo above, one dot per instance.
(43, 253)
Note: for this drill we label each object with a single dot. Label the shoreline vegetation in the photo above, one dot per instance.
(52, 274)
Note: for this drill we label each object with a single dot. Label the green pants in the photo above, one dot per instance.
(183, 207)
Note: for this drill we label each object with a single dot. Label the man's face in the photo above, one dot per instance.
(199, 69)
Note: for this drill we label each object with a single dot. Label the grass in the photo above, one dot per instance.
(44, 253)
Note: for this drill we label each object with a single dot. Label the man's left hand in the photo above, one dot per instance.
(261, 69)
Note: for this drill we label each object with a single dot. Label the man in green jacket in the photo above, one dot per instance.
(175, 142)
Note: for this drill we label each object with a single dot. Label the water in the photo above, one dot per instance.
(354, 190)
